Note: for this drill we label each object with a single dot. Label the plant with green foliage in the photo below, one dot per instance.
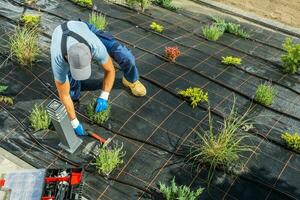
(100, 117)
(39, 118)
(220, 23)
(174, 192)
(108, 159)
(98, 20)
(167, 4)
(212, 32)
(143, 4)
(230, 27)
(194, 95)
(86, 3)
(230, 60)
(265, 93)
(291, 60)
(24, 45)
(221, 148)
(5, 99)
(156, 27)
(31, 20)
(291, 140)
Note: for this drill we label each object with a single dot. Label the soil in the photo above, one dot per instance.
(287, 12)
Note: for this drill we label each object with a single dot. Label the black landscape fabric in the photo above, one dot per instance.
(270, 172)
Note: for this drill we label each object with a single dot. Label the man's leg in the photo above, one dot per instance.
(75, 87)
(126, 61)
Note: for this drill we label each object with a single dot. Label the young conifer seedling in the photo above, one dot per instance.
(98, 20)
(292, 140)
(230, 60)
(86, 3)
(291, 59)
(265, 93)
(24, 45)
(156, 27)
(174, 192)
(31, 20)
(39, 118)
(108, 159)
(97, 118)
(167, 4)
(194, 95)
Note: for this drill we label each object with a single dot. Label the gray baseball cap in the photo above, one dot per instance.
(79, 58)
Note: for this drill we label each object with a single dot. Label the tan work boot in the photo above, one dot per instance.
(137, 88)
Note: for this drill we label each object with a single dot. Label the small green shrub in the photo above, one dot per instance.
(236, 30)
(230, 27)
(108, 159)
(292, 141)
(39, 118)
(220, 23)
(98, 20)
(291, 60)
(174, 192)
(156, 27)
(212, 32)
(143, 4)
(31, 20)
(5, 99)
(167, 4)
(223, 147)
(265, 93)
(230, 60)
(100, 117)
(194, 95)
(24, 45)
(86, 3)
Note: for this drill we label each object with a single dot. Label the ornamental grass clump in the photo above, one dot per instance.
(265, 93)
(5, 99)
(292, 140)
(156, 27)
(39, 118)
(224, 147)
(212, 32)
(108, 159)
(24, 45)
(98, 20)
(142, 4)
(236, 30)
(194, 95)
(174, 192)
(230, 60)
(230, 27)
(31, 20)
(167, 4)
(100, 117)
(86, 3)
(172, 53)
(291, 59)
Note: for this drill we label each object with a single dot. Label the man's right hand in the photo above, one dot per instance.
(78, 128)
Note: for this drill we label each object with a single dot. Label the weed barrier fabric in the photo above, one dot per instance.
(160, 117)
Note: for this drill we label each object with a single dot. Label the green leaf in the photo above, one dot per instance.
(3, 88)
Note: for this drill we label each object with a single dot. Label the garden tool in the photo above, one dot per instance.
(97, 137)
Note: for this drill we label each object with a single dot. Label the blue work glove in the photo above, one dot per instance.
(101, 105)
(78, 128)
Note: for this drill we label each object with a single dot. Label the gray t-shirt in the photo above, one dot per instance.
(60, 67)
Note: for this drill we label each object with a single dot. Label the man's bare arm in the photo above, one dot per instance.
(64, 95)
(109, 75)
